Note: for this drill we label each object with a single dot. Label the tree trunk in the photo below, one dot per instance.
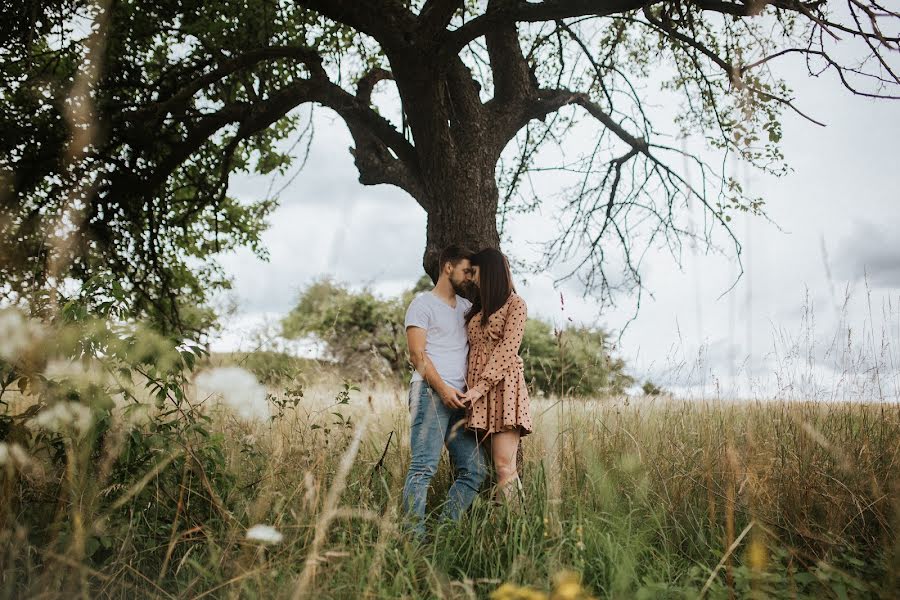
(463, 200)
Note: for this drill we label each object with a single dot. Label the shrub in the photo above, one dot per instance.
(361, 331)
(575, 361)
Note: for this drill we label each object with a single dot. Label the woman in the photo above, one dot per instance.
(497, 397)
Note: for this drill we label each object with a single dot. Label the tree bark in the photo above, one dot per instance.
(456, 152)
(463, 207)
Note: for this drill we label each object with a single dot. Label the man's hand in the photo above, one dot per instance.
(451, 397)
(415, 336)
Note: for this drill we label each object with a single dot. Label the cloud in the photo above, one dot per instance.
(871, 251)
(382, 238)
(298, 242)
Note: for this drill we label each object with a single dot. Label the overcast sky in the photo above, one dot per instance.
(781, 331)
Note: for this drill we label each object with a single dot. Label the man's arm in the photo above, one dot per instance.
(416, 336)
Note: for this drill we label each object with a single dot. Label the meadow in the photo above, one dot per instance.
(135, 465)
(647, 497)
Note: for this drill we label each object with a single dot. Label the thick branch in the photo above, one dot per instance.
(550, 101)
(389, 22)
(372, 156)
(368, 82)
(374, 135)
(247, 60)
(436, 15)
(362, 116)
(527, 12)
(512, 78)
(598, 113)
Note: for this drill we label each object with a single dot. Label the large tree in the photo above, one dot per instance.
(122, 121)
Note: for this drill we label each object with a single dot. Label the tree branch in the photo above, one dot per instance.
(383, 154)
(731, 72)
(518, 11)
(251, 58)
(368, 82)
(512, 77)
(435, 16)
(389, 22)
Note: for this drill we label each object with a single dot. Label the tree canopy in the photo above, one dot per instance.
(122, 123)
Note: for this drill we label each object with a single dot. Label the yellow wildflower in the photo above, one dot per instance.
(567, 586)
(758, 555)
(567, 591)
(509, 591)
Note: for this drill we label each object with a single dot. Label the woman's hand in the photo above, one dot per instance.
(470, 396)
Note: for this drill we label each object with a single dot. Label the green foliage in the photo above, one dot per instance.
(154, 180)
(651, 389)
(362, 332)
(576, 361)
(291, 398)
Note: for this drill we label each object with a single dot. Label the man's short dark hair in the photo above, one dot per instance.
(452, 254)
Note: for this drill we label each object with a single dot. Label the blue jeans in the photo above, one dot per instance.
(433, 425)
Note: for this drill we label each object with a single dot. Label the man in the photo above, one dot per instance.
(438, 348)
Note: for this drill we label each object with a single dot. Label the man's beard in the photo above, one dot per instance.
(462, 288)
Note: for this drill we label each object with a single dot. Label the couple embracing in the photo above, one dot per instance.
(468, 390)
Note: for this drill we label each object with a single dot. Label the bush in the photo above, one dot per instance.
(651, 389)
(361, 331)
(575, 361)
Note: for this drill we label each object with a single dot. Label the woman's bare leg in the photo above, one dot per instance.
(503, 450)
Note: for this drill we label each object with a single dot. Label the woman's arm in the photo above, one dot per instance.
(505, 353)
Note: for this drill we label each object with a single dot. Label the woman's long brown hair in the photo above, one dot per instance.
(495, 284)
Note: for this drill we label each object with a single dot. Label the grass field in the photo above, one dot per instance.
(639, 498)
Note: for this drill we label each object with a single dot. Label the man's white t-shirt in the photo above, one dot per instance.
(446, 343)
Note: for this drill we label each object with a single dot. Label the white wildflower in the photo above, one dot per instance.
(17, 334)
(63, 369)
(14, 455)
(237, 388)
(136, 415)
(265, 534)
(19, 455)
(63, 416)
(75, 374)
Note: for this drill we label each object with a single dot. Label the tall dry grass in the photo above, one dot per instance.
(640, 497)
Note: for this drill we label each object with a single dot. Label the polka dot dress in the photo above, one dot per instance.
(496, 371)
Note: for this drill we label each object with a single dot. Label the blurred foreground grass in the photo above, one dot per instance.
(647, 498)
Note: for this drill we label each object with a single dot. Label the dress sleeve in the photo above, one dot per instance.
(505, 354)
